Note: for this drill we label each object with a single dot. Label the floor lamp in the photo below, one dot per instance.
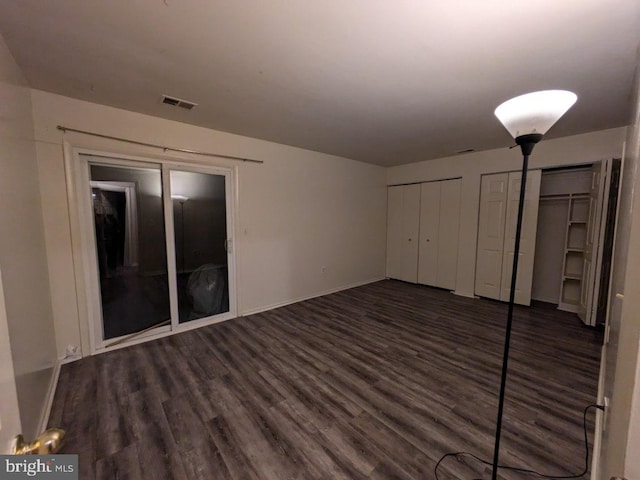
(527, 118)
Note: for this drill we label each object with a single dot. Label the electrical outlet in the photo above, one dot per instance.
(323, 270)
(605, 414)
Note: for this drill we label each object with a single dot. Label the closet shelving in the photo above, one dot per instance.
(575, 241)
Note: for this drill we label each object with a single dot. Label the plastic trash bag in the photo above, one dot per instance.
(207, 291)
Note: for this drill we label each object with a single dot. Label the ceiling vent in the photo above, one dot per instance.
(178, 102)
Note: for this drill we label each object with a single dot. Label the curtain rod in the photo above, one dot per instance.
(153, 145)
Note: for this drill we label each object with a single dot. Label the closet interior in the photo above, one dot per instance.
(574, 238)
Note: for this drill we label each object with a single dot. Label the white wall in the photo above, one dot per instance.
(297, 212)
(22, 250)
(621, 438)
(573, 150)
(632, 462)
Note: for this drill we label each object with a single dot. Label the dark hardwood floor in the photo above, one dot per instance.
(376, 382)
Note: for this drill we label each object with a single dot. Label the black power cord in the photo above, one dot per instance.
(525, 470)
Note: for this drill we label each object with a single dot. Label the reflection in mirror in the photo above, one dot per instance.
(200, 232)
(130, 245)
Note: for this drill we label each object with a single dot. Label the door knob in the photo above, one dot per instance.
(48, 442)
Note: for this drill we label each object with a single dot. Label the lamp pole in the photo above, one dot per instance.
(527, 118)
(526, 142)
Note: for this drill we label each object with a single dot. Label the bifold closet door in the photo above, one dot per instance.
(439, 233)
(593, 252)
(499, 199)
(526, 256)
(449, 233)
(429, 233)
(493, 205)
(403, 217)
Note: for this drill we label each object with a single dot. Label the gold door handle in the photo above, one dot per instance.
(48, 442)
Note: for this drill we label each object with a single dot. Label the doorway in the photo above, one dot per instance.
(574, 238)
(159, 239)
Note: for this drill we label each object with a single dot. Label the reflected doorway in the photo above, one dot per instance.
(134, 292)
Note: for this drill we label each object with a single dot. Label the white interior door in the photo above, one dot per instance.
(590, 286)
(526, 256)
(448, 233)
(429, 233)
(493, 201)
(10, 424)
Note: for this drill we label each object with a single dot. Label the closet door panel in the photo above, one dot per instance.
(395, 236)
(411, 227)
(527, 240)
(493, 199)
(448, 233)
(599, 192)
(403, 217)
(430, 207)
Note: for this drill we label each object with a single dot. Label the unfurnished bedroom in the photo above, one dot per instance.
(262, 240)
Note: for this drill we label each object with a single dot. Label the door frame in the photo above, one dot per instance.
(83, 241)
(9, 407)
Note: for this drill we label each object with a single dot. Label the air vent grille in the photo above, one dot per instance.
(178, 102)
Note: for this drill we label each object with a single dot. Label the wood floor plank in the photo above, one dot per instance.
(376, 382)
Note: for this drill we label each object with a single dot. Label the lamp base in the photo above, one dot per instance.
(528, 141)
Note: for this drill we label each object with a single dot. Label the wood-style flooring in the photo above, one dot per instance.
(375, 382)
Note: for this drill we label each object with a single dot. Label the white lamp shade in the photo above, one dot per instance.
(534, 112)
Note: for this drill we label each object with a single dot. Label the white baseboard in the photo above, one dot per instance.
(253, 311)
(69, 359)
(464, 294)
(51, 392)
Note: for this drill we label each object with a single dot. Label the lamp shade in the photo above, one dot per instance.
(534, 112)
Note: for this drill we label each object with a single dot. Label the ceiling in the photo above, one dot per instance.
(385, 82)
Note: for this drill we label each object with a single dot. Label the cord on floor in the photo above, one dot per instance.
(525, 470)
